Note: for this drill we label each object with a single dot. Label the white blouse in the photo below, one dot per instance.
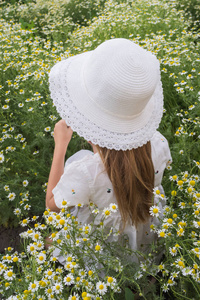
(85, 180)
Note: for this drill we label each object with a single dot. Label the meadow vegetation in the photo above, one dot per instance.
(34, 35)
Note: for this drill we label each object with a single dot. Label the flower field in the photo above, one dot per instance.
(34, 35)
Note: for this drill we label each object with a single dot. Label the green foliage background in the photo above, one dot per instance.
(35, 34)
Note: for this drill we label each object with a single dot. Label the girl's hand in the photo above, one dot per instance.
(62, 137)
(62, 134)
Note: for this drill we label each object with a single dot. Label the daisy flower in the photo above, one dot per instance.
(98, 248)
(17, 211)
(113, 207)
(47, 129)
(196, 251)
(32, 249)
(74, 297)
(41, 258)
(154, 211)
(25, 183)
(101, 287)
(49, 273)
(69, 279)
(106, 212)
(9, 275)
(6, 188)
(57, 288)
(111, 282)
(1, 158)
(33, 286)
(36, 236)
(49, 293)
(173, 251)
(171, 282)
(11, 196)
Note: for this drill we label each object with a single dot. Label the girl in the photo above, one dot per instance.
(112, 96)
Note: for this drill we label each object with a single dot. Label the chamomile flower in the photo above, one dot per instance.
(36, 236)
(40, 245)
(49, 273)
(5, 106)
(180, 263)
(182, 205)
(41, 258)
(187, 271)
(95, 211)
(156, 191)
(49, 292)
(33, 286)
(86, 229)
(9, 275)
(82, 273)
(165, 287)
(196, 224)
(27, 207)
(11, 196)
(98, 248)
(25, 183)
(57, 288)
(111, 282)
(106, 212)
(24, 222)
(17, 211)
(6, 188)
(32, 249)
(69, 258)
(101, 287)
(171, 282)
(196, 251)
(173, 251)
(69, 279)
(1, 158)
(74, 296)
(47, 129)
(113, 207)
(154, 211)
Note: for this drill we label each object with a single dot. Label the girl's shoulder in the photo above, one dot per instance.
(79, 156)
(83, 159)
(159, 139)
(161, 154)
(160, 146)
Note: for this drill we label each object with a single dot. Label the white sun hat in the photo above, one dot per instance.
(111, 96)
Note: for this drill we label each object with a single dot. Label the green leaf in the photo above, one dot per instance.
(129, 295)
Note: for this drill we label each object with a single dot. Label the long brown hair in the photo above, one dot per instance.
(132, 175)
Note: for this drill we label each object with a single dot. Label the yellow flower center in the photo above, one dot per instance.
(10, 273)
(155, 210)
(62, 222)
(162, 234)
(173, 193)
(180, 182)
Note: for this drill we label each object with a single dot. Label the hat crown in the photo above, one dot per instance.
(111, 96)
(120, 77)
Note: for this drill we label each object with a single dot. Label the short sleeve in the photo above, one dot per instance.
(161, 155)
(73, 186)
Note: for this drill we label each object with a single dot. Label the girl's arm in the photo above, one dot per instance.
(62, 137)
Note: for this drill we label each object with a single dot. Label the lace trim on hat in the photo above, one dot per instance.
(89, 130)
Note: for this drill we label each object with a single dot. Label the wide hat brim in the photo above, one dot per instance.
(85, 117)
